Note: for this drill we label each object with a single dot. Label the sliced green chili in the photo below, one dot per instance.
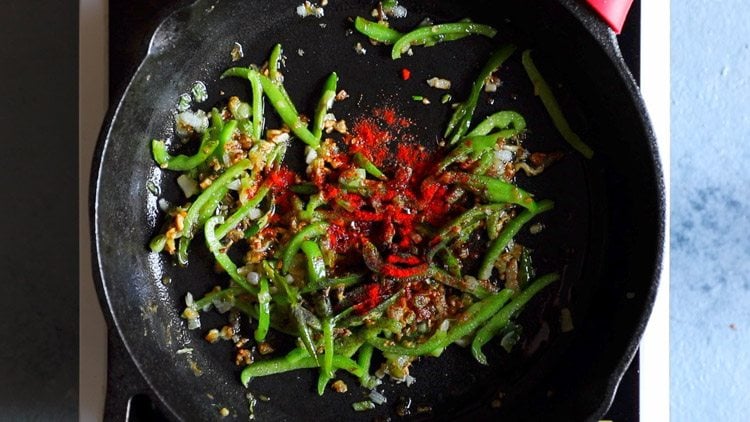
(221, 257)
(509, 231)
(310, 231)
(501, 318)
(276, 366)
(211, 196)
(184, 162)
(492, 189)
(542, 89)
(376, 31)
(316, 269)
(461, 120)
(264, 310)
(477, 314)
(325, 104)
(274, 63)
(425, 34)
(509, 122)
(285, 108)
(371, 169)
(242, 212)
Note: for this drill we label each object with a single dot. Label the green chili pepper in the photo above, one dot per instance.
(452, 264)
(304, 188)
(316, 269)
(276, 366)
(509, 231)
(326, 369)
(422, 35)
(364, 359)
(209, 297)
(484, 163)
(331, 282)
(258, 119)
(157, 243)
(184, 162)
(471, 147)
(457, 226)
(461, 120)
(264, 310)
(309, 214)
(477, 314)
(221, 257)
(242, 212)
(362, 161)
(209, 197)
(492, 189)
(274, 63)
(376, 31)
(285, 108)
(525, 268)
(310, 231)
(466, 284)
(501, 318)
(510, 123)
(553, 108)
(372, 315)
(325, 104)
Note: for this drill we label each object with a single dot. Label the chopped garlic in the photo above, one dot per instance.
(359, 49)
(439, 83)
(237, 52)
(310, 9)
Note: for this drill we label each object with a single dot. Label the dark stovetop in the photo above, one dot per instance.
(130, 24)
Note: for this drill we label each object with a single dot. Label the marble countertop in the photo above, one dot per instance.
(710, 303)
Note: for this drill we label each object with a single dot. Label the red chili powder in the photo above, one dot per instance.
(371, 299)
(280, 179)
(370, 140)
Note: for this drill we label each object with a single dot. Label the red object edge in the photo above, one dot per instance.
(613, 12)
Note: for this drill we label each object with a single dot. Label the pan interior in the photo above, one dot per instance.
(603, 234)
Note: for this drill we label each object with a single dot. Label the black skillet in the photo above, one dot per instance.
(605, 234)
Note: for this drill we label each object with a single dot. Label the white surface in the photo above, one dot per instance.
(92, 106)
(655, 87)
(93, 101)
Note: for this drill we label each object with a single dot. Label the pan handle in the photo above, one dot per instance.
(613, 12)
(599, 29)
(126, 388)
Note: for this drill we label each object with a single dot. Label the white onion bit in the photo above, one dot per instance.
(253, 278)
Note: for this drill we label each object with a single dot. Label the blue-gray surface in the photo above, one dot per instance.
(710, 276)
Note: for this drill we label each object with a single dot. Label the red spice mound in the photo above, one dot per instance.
(387, 214)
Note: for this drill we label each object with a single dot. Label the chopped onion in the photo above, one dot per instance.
(189, 186)
(199, 91)
(504, 156)
(253, 278)
(194, 324)
(439, 83)
(237, 51)
(189, 300)
(189, 121)
(310, 155)
(163, 204)
(377, 398)
(234, 184)
(223, 304)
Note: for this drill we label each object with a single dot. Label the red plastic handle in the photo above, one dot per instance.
(612, 11)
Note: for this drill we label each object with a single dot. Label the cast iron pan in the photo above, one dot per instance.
(605, 233)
